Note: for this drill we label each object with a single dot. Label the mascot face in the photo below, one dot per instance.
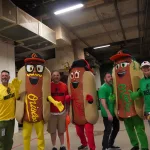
(34, 69)
(76, 76)
(122, 67)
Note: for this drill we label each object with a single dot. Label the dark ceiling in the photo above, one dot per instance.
(139, 47)
(39, 7)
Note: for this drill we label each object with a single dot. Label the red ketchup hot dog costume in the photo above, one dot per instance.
(83, 110)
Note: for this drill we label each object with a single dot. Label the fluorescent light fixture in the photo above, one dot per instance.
(101, 46)
(68, 9)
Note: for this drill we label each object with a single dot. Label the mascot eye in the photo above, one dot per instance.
(124, 64)
(29, 68)
(117, 66)
(72, 75)
(77, 75)
(40, 68)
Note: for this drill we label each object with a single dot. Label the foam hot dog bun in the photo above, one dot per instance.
(136, 76)
(89, 87)
(46, 92)
(20, 104)
(70, 108)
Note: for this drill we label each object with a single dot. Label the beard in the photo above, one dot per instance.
(109, 82)
(4, 81)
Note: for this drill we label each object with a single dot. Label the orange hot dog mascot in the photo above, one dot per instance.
(83, 110)
(126, 76)
(33, 107)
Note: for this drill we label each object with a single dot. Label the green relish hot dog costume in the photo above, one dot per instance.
(126, 76)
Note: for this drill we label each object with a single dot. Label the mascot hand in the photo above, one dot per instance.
(89, 98)
(59, 105)
(134, 95)
(16, 84)
(67, 98)
(112, 97)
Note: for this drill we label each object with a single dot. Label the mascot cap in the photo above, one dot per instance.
(34, 57)
(81, 63)
(120, 54)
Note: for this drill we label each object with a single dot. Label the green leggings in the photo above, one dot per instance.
(6, 134)
(136, 130)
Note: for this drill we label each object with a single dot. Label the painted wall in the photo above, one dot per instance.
(7, 62)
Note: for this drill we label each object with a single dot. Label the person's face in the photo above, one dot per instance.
(146, 70)
(56, 77)
(108, 78)
(5, 77)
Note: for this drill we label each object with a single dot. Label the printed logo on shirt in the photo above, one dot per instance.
(147, 91)
(9, 96)
(57, 93)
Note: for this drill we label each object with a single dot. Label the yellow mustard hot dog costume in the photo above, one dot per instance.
(33, 108)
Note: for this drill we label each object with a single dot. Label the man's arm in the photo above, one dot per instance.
(103, 102)
(102, 97)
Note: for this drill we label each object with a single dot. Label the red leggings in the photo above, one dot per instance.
(89, 133)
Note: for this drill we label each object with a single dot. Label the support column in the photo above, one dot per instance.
(97, 77)
(78, 51)
(7, 62)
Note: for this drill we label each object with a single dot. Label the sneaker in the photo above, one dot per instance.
(82, 147)
(63, 148)
(135, 148)
(114, 147)
(54, 148)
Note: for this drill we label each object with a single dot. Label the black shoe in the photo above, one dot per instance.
(115, 147)
(63, 148)
(82, 147)
(135, 148)
(54, 148)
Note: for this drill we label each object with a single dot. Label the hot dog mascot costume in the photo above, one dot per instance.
(126, 76)
(33, 108)
(83, 110)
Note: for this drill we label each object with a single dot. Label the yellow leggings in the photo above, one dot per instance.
(27, 130)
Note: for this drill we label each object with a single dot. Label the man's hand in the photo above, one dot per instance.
(89, 98)
(110, 117)
(59, 105)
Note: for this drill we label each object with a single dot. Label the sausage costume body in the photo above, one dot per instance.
(126, 76)
(33, 108)
(83, 110)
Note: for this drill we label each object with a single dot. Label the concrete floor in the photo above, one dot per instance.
(121, 140)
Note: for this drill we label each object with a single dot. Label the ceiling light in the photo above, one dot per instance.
(101, 46)
(68, 9)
